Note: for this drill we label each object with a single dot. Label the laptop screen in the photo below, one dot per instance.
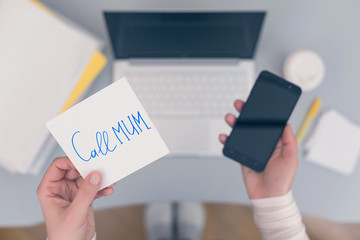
(180, 34)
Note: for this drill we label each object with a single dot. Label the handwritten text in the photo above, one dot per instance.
(123, 132)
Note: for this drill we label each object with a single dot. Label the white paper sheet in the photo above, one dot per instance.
(335, 143)
(41, 60)
(109, 132)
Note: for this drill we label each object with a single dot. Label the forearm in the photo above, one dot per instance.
(278, 218)
(93, 238)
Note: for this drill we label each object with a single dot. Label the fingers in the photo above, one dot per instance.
(289, 143)
(288, 136)
(57, 169)
(102, 192)
(239, 104)
(230, 119)
(72, 174)
(79, 181)
(222, 138)
(85, 195)
(105, 192)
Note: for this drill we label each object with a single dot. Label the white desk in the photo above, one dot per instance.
(328, 27)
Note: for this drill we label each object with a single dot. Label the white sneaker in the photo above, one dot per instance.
(190, 220)
(158, 221)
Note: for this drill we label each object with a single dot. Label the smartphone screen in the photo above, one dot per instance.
(262, 121)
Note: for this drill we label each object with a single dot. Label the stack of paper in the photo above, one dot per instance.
(335, 143)
(45, 65)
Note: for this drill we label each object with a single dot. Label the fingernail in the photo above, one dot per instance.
(95, 179)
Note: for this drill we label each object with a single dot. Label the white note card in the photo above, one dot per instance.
(335, 143)
(109, 132)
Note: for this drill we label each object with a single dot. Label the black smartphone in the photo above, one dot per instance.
(262, 121)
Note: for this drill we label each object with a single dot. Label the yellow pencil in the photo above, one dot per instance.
(309, 117)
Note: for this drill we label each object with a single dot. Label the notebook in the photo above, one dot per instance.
(335, 143)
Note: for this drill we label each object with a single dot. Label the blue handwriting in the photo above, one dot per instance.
(102, 138)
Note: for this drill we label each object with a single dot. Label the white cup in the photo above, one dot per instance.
(305, 68)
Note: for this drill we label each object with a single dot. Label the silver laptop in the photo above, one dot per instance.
(186, 69)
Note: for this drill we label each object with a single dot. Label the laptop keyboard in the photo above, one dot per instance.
(195, 93)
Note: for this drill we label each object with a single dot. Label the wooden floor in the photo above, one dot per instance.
(223, 222)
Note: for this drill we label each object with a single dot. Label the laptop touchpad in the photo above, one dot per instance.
(184, 136)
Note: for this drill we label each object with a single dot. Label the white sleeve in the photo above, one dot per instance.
(278, 218)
